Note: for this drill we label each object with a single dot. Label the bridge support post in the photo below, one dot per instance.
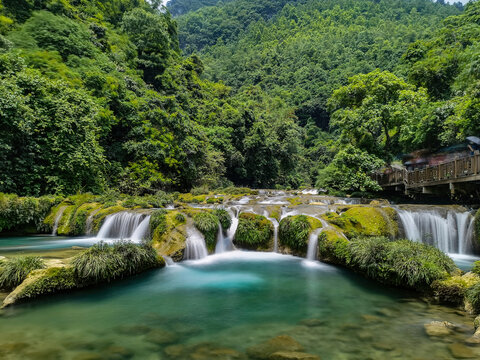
(426, 190)
(452, 188)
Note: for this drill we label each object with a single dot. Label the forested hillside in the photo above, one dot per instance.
(96, 95)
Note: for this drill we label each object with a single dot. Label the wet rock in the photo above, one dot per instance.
(175, 351)
(383, 346)
(116, 352)
(276, 344)
(371, 318)
(14, 347)
(460, 351)
(385, 312)
(88, 356)
(473, 340)
(45, 354)
(476, 322)
(208, 352)
(365, 335)
(292, 355)
(312, 322)
(438, 328)
(133, 329)
(79, 345)
(161, 337)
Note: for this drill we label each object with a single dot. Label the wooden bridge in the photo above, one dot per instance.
(455, 174)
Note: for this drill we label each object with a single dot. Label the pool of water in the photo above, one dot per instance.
(21, 244)
(217, 307)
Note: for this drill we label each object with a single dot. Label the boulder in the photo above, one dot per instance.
(274, 345)
(312, 322)
(209, 352)
(439, 328)
(292, 355)
(161, 337)
(460, 351)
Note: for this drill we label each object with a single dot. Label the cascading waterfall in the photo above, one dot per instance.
(223, 242)
(313, 245)
(451, 234)
(89, 222)
(142, 230)
(57, 220)
(125, 225)
(275, 231)
(168, 260)
(195, 245)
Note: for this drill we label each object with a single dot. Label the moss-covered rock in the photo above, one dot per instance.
(294, 231)
(333, 248)
(254, 232)
(366, 221)
(169, 234)
(224, 218)
(79, 220)
(453, 289)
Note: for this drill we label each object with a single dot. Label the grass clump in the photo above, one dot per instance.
(293, 232)
(15, 270)
(207, 223)
(473, 297)
(104, 263)
(476, 267)
(401, 262)
(224, 218)
(254, 232)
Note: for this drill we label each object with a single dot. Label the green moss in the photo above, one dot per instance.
(191, 199)
(274, 212)
(170, 236)
(207, 223)
(476, 267)
(333, 248)
(295, 201)
(294, 231)
(366, 221)
(51, 281)
(215, 200)
(158, 222)
(254, 232)
(453, 289)
(79, 220)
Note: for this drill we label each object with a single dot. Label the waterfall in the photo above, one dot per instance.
(142, 230)
(57, 220)
(223, 243)
(451, 233)
(124, 225)
(195, 245)
(168, 261)
(89, 222)
(275, 230)
(313, 244)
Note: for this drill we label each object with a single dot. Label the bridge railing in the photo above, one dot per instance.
(443, 172)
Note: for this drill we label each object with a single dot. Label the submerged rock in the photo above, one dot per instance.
(211, 352)
(116, 352)
(161, 337)
(460, 351)
(133, 329)
(312, 322)
(439, 328)
(274, 345)
(292, 355)
(175, 351)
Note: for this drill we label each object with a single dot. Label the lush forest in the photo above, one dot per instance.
(119, 94)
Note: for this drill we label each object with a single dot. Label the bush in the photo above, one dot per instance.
(158, 221)
(180, 218)
(333, 248)
(473, 296)
(104, 263)
(400, 262)
(224, 218)
(15, 270)
(207, 223)
(254, 232)
(476, 267)
(293, 232)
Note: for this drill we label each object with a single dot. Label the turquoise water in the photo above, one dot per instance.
(41, 242)
(198, 310)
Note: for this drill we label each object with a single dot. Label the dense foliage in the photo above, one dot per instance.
(400, 262)
(13, 271)
(293, 232)
(253, 232)
(98, 95)
(104, 263)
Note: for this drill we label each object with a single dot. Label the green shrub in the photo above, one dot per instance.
(200, 190)
(293, 232)
(254, 232)
(103, 263)
(476, 267)
(401, 262)
(158, 220)
(224, 218)
(15, 270)
(333, 248)
(473, 297)
(180, 218)
(207, 223)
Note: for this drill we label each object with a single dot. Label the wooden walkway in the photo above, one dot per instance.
(460, 170)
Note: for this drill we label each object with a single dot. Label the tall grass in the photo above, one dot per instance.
(14, 271)
(103, 262)
(293, 232)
